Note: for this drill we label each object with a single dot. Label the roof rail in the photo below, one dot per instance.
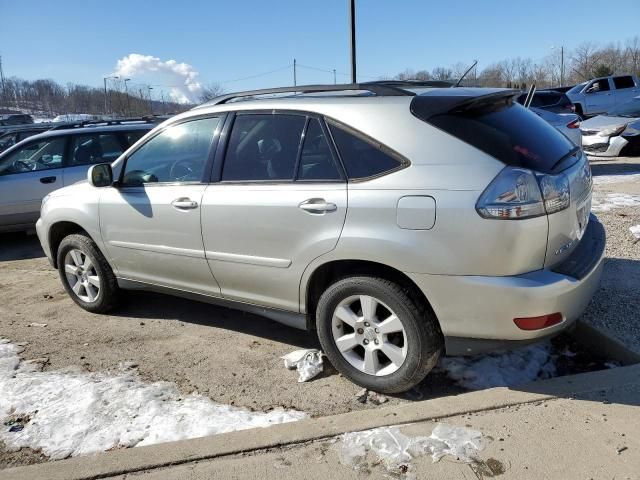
(412, 83)
(373, 87)
(106, 123)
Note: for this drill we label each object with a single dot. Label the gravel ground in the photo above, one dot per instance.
(615, 308)
(233, 357)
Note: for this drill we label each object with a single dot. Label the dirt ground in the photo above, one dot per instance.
(230, 356)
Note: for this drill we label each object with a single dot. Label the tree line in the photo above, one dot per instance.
(561, 67)
(48, 98)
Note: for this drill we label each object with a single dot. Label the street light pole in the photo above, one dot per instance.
(150, 102)
(352, 21)
(294, 72)
(106, 108)
(334, 76)
(562, 66)
(126, 92)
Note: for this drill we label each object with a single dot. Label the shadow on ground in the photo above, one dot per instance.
(19, 246)
(604, 168)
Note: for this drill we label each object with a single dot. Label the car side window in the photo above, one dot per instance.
(601, 85)
(263, 147)
(362, 157)
(95, 148)
(177, 154)
(623, 82)
(316, 161)
(38, 155)
(133, 136)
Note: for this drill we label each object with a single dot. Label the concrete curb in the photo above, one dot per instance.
(604, 343)
(173, 453)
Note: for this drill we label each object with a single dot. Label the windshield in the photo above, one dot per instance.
(577, 88)
(630, 109)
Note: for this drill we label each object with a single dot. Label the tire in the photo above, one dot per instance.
(421, 342)
(96, 286)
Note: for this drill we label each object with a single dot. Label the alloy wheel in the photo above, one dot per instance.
(82, 275)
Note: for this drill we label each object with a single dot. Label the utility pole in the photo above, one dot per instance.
(352, 21)
(2, 76)
(562, 66)
(164, 105)
(106, 107)
(334, 76)
(126, 92)
(150, 101)
(294, 72)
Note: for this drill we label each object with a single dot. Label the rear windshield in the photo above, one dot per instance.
(507, 131)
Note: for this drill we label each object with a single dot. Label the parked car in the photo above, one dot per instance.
(602, 94)
(549, 100)
(567, 123)
(11, 119)
(399, 223)
(42, 163)
(17, 134)
(615, 133)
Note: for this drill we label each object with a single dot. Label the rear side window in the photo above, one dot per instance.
(263, 148)
(316, 161)
(363, 157)
(623, 82)
(95, 148)
(505, 130)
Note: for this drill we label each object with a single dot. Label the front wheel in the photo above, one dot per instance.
(86, 274)
(375, 335)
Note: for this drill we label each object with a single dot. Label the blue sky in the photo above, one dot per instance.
(81, 41)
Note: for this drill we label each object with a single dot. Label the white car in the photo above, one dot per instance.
(616, 133)
(602, 94)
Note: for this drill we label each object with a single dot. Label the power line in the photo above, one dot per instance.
(258, 74)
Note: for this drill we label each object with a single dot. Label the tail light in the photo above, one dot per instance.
(537, 323)
(574, 124)
(518, 193)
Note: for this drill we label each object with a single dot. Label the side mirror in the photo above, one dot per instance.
(100, 175)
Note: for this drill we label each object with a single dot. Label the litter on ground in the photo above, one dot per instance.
(73, 412)
(395, 450)
(307, 362)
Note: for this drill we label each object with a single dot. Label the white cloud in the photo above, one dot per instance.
(182, 77)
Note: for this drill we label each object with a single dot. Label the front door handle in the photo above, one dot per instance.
(47, 179)
(317, 206)
(184, 203)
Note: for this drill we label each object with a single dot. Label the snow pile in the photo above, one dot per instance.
(182, 77)
(307, 362)
(606, 202)
(395, 450)
(621, 178)
(516, 367)
(635, 231)
(76, 413)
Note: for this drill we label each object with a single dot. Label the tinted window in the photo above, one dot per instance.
(263, 147)
(361, 158)
(95, 148)
(507, 131)
(177, 154)
(316, 161)
(623, 82)
(134, 136)
(599, 86)
(8, 140)
(42, 155)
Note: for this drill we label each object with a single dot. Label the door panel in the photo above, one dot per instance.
(259, 238)
(153, 235)
(601, 100)
(21, 195)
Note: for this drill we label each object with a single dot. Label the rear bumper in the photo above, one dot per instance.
(476, 312)
(597, 146)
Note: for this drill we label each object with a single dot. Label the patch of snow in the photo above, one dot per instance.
(609, 201)
(395, 450)
(516, 367)
(307, 362)
(635, 231)
(620, 178)
(73, 412)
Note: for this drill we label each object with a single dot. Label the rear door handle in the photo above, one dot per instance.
(184, 203)
(317, 206)
(47, 179)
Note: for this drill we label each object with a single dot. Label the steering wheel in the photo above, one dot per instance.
(181, 170)
(22, 166)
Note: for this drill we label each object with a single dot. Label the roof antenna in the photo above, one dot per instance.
(475, 62)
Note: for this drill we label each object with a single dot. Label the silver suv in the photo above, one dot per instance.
(398, 222)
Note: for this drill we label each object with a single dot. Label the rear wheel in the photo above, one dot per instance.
(374, 334)
(86, 274)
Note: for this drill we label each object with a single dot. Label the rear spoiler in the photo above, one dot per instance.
(427, 106)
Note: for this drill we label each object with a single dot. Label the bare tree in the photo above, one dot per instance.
(211, 91)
